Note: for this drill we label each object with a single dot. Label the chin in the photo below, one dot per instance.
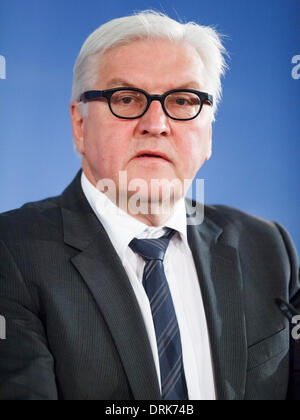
(161, 192)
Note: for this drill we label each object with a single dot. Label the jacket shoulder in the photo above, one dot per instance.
(247, 231)
(30, 220)
(240, 219)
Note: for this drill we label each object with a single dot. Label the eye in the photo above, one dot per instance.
(181, 101)
(191, 100)
(127, 100)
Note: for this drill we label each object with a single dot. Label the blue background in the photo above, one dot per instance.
(255, 165)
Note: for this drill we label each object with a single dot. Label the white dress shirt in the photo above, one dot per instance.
(182, 279)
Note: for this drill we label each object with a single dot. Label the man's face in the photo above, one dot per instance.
(110, 145)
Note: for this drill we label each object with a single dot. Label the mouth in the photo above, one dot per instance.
(152, 156)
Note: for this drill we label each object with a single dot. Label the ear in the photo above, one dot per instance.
(77, 126)
(209, 147)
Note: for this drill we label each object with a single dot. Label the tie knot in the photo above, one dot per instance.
(152, 249)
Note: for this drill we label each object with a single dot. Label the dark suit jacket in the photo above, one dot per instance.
(74, 328)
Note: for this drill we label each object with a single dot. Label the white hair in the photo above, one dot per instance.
(150, 25)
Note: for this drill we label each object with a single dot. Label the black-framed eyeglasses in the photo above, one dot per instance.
(132, 103)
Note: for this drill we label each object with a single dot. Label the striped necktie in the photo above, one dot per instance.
(167, 332)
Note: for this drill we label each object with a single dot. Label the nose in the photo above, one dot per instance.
(155, 122)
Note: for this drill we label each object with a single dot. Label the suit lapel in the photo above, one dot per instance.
(103, 272)
(219, 273)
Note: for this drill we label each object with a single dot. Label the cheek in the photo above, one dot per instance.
(194, 148)
(103, 147)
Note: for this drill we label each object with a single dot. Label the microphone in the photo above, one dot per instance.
(288, 310)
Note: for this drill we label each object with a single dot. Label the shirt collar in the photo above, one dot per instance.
(121, 227)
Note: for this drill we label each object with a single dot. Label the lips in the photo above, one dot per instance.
(152, 154)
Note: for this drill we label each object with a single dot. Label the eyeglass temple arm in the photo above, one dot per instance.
(210, 99)
(91, 96)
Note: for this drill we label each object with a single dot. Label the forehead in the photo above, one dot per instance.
(152, 64)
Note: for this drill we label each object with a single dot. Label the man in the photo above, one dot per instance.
(114, 290)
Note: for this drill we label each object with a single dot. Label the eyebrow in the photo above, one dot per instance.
(123, 83)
